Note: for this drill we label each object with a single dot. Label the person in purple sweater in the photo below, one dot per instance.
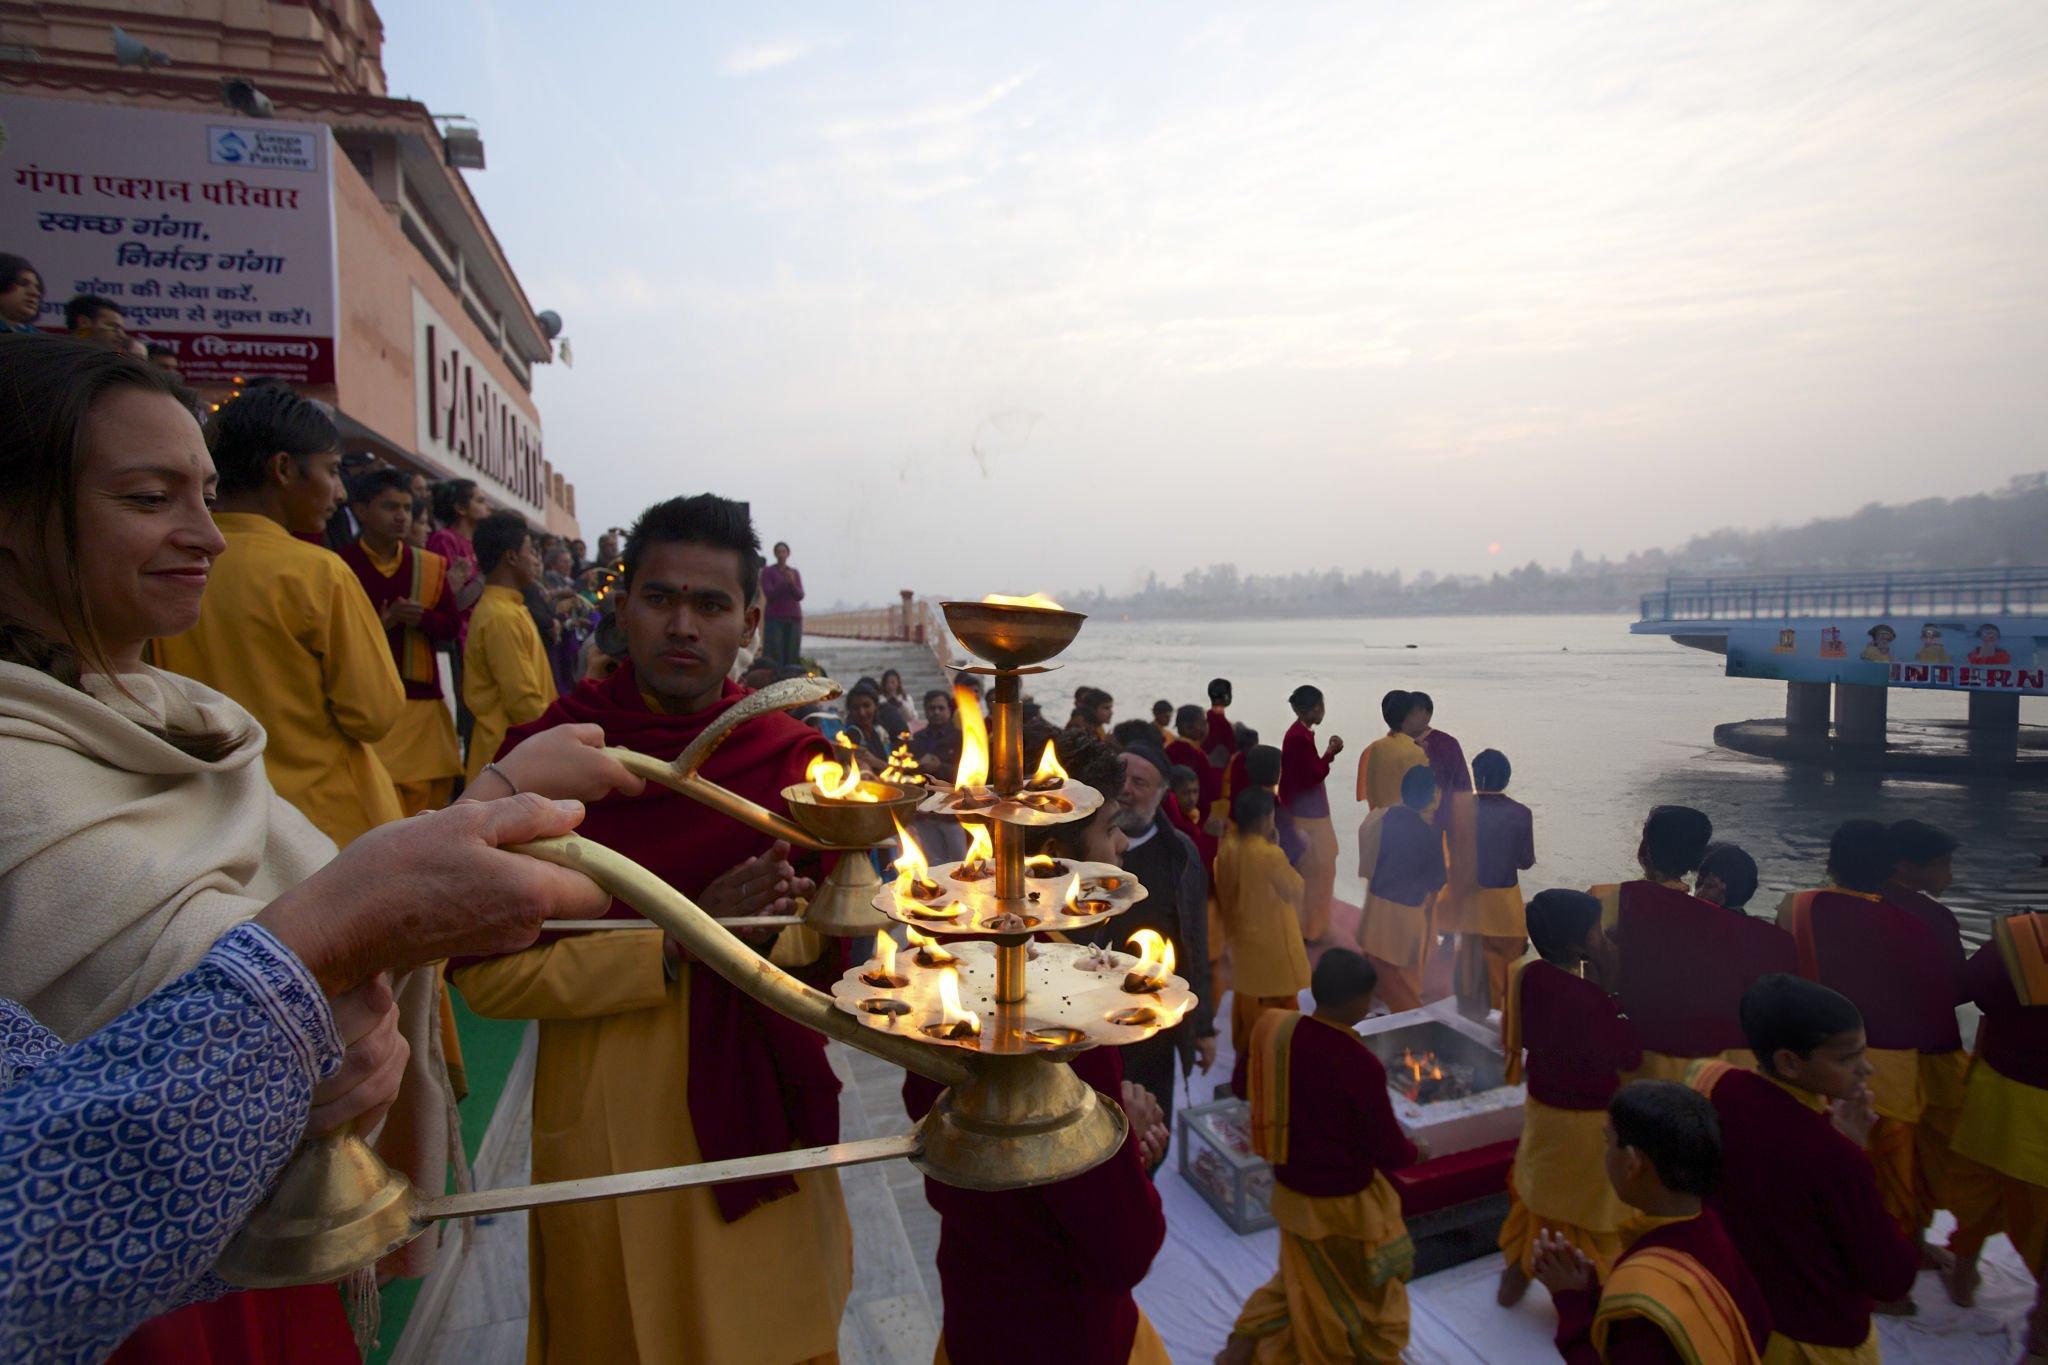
(782, 624)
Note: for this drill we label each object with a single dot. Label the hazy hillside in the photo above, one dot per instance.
(2006, 527)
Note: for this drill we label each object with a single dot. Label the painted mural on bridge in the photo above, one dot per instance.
(1982, 655)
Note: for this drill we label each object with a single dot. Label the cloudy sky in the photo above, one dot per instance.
(1129, 286)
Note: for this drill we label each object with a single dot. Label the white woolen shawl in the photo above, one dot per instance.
(122, 859)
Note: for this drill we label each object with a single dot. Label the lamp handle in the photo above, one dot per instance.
(716, 948)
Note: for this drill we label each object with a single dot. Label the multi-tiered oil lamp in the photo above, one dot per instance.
(973, 1003)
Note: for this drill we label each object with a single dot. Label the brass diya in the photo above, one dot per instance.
(1012, 634)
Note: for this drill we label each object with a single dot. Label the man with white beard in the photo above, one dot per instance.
(1176, 906)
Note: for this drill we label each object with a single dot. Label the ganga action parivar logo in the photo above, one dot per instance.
(268, 149)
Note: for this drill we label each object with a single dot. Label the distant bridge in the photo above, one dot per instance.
(1847, 638)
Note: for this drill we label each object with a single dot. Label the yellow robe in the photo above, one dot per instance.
(1257, 893)
(506, 680)
(287, 631)
(658, 1277)
(1382, 766)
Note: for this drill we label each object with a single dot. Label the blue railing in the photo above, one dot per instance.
(1778, 597)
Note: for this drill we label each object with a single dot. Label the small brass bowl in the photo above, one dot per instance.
(847, 823)
(1011, 637)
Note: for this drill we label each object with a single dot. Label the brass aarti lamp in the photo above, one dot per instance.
(993, 1018)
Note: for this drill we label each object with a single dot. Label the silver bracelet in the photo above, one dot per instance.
(503, 776)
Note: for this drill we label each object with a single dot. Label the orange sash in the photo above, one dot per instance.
(2023, 942)
(1272, 1043)
(1692, 1308)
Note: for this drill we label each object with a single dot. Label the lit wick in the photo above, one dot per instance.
(1050, 775)
(1154, 966)
(952, 1022)
(882, 973)
(929, 951)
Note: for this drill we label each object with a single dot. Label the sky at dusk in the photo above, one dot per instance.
(1000, 298)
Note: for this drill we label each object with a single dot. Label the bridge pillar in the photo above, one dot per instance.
(1806, 707)
(1860, 714)
(1994, 734)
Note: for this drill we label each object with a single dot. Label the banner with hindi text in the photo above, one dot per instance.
(213, 233)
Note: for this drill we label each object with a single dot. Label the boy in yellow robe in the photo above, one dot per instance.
(1259, 897)
(506, 680)
(286, 630)
(1322, 1115)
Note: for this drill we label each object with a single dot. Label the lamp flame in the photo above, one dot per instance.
(1050, 774)
(1155, 961)
(835, 782)
(910, 864)
(1072, 900)
(1037, 601)
(885, 955)
(930, 952)
(981, 850)
(973, 770)
(953, 1021)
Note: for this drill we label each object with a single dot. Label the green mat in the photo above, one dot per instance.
(489, 1047)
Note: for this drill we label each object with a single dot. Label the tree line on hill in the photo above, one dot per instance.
(2006, 527)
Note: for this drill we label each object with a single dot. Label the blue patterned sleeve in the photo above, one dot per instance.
(129, 1159)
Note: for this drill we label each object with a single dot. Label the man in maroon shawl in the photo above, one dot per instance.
(1188, 748)
(648, 1059)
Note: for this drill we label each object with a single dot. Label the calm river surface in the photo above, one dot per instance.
(1600, 725)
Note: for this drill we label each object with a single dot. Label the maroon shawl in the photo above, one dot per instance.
(758, 1082)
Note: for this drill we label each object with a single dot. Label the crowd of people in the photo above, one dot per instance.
(233, 891)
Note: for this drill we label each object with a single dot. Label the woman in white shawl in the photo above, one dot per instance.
(136, 822)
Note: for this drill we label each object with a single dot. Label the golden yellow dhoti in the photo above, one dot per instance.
(1998, 1167)
(1341, 1292)
(1397, 938)
(1559, 1181)
(1318, 870)
(658, 1277)
(1782, 1350)
(1146, 1347)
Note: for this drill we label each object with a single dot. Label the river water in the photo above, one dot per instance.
(1599, 724)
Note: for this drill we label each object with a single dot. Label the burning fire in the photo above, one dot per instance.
(972, 774)
(913, 873)
(836, 782)
(951, 1020)
(981, 850)
(1050, 775)
(1424, 1080)
(1037, 601)
(903, 769)
(881, 971)
(1154, 965)
(930, 952)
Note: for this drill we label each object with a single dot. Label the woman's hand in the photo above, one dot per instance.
(765, 884)
(437, 885)
(372, 1064)
(566, 763)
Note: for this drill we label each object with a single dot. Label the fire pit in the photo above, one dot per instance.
(1446, 1074)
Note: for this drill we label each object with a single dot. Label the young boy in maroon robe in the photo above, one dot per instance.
(1728, 878)
(1220, 741)
(1680, 1294)
(1185, 748)
(1446, 759)
(1578, 1046)
(1306, 799)
(1681, 964)
(1797, 1193)
(1322, 1115)
(1923, 865)
(1089, 1240)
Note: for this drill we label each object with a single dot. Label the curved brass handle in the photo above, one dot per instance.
(681, 775)
(786, 695)
(716, 948)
